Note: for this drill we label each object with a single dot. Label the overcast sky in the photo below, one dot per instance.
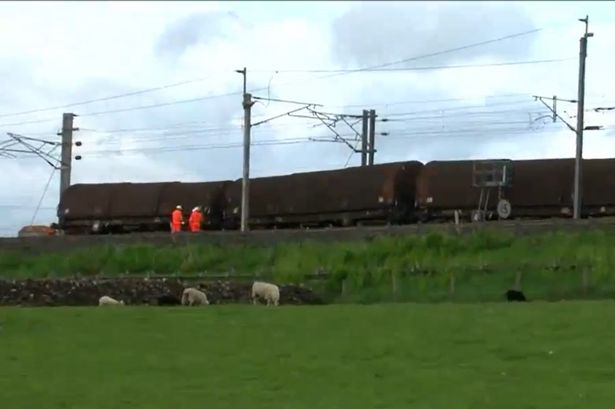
(55, 54)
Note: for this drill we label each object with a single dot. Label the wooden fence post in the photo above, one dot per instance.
(585, 280)
(518, 277)
(394, 285)
(457, 226)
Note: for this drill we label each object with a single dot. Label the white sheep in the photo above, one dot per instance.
(270, 292)
(106, 300)
(192, 296)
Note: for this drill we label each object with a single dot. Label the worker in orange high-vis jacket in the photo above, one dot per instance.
(196, 218)
(176, 219)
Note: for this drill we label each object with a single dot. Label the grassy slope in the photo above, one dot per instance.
(384, 356)
(484, 265)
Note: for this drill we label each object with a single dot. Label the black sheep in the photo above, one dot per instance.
(515, 295)
(168, 299)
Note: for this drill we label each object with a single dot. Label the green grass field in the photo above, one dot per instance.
(504, 356)
(482, 266)
(357, 259)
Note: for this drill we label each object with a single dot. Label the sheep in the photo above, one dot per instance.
(515, 295)
(192, 296)
(168, 299)
(106, 300)
(270, 292)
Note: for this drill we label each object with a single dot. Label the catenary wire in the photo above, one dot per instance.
(226, 130)
(427, 101)
(446, 51)
(457, 108)
(302, 140)
(43, 195)
(90, 101)
(428, 68)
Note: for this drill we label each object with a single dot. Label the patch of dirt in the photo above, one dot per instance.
(159, 291)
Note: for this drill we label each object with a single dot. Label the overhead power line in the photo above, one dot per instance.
(38, 206)
(459, 116)
(188, 128)
(488, 131)
(427, 101)
(286, 101)
(208, 97)
(483, 133)
(429, 68)
(90, 101)
(162, 104)
(458, 126)
(420, 123)
(445, 109)
(36, 121)
(198, 147)
(437, 53)
(436, 110)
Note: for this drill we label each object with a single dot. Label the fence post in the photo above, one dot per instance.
(518, 278)
(457, 222)
(585, 280)
(394, 285)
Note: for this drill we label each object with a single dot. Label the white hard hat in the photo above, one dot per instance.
(195, 209)
(178, 207)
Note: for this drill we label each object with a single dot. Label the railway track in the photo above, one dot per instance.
(268, 237)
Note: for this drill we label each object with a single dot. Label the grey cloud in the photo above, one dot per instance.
(376, 33)
(201, 28)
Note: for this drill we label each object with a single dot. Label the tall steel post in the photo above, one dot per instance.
(578, 163)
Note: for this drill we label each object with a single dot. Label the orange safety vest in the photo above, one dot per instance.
(176, 220)
(195, 220)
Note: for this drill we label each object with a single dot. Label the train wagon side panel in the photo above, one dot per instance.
(136, 200)
(132, 208)
(445, 186)
(84, 206)
(541, 187)
(598, 187)
(85, 201)
(208, 195)
(371, 187)
(323, 197)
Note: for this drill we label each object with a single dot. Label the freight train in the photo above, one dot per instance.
(391, 193)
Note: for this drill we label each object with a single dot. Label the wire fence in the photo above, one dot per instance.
(548, 283)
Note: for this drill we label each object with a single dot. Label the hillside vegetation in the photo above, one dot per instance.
(434, 267)
(493, 356)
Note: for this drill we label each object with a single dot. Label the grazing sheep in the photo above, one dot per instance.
(515, 295)
(168, 299)
(192, 296)
(106, 300)
(270, 292)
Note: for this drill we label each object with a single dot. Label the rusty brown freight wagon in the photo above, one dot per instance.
(380, 193)
(83, 206)
(536, 188)
(110, 207)
(128, 207)
(598, 187)
(209, 195)
(542, 188)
